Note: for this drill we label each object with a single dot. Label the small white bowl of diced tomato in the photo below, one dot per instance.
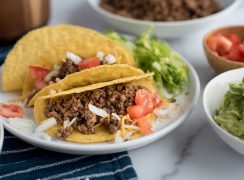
(224, 48)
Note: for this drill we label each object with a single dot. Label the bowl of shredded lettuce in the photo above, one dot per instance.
(223, 101)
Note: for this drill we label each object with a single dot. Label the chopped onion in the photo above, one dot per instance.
(43, 135)
(22, 124)
(132, 127)
(98, 111)
(100, 55)
(76, 59)
(110, 59)
(66, 124)
(52, 92)
(72, 121)
(57, 79)
(46, 124)
(118, 138)
(54, 72)
(116, 116)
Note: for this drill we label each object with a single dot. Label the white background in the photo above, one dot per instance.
(193, 150)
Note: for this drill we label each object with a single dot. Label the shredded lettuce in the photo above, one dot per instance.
(153, 55)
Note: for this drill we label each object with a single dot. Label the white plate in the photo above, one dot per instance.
(170, 30)
(1, 135)
(213, 96)
(104, 148)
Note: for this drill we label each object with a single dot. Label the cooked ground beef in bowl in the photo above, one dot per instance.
(161, 10)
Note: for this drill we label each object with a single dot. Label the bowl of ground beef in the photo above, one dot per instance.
(170, 18)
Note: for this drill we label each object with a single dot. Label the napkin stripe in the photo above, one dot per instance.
(101, 174)
(18, 150)
(44, 166)
(86, 167)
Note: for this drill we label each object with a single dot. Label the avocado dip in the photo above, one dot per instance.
(230, 115)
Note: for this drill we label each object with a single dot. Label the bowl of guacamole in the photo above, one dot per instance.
(223, 101)
(230, 114)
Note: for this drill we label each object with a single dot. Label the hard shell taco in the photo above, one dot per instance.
(46, 47)
(120, 109)
(86, 77)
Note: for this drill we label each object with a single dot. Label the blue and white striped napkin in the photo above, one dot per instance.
(20, 160)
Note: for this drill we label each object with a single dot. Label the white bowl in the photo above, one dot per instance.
(1, 135)
(164, 29)
(213, 95)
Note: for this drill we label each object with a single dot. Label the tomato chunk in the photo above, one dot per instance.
(144, 126)
(234, 54)
(38, 72)
(89, 63)
(241, 49)
(136, 111)
(141, 96)
(11, 110)
(39, 84)
(234, 39)
(145, 103)
(212, 42)
(224, 45)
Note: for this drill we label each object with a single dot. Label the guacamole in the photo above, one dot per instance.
(230, 116)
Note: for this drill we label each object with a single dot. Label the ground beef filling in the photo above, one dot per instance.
(113, 99)
(68, 67)
(161, 10)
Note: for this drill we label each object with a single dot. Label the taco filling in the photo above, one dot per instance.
(43, 77)
(106, 107)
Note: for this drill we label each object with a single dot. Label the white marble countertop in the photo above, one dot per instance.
(192, 151)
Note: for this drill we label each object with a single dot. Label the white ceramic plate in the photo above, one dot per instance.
(170, 30)
(213, 96)
(103, 148)
(1, 135)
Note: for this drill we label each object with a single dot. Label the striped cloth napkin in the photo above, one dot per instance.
(20, 160)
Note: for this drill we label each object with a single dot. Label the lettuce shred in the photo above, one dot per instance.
(153, 55)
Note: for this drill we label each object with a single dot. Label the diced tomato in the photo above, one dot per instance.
(11, 110)
(145, 103)
(39, 84)
(89, 63)
(140, 96)
(212, 42)
(38, 72)
(144, 126)
(148, 107)
(223, 45)
(234, 39)
(241, 49)
(136, 111)
(234, 54)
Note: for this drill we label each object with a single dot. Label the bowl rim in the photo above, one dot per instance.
(207, 112)
(106, 13)
(206, 36)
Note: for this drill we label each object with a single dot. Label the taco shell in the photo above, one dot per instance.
(86, 77)
(48, 45)
(101, 135)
